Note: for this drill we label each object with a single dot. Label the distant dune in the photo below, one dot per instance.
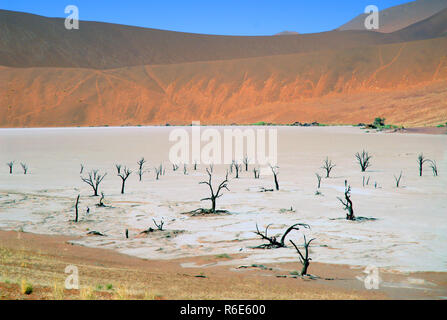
(399, 17)
(286, 33)
(105, 74)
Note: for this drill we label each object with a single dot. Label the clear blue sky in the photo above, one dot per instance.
(230, 17)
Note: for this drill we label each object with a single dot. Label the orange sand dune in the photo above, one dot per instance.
(400, 82)
(108, 74)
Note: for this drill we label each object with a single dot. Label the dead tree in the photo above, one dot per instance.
(160, 225)
(214, 195)
(304, 259)
(398, 179)
(174, 167)
(101, 203)
(238, 168)
(319, 180)
(231, 166)
(273, 241)
(421, 161)
(10, 165)
(256, 172)
(118, 168)
(364, 160)
(328, 166)
(140, 167)
(82, 169)
(76, 208)
(94, 179)
(246, 161)
(347, 203)
(434, 167)
(185, 169)
(275, 176)
(158, 172)
(195, 165)
(124, 175)
(24, 167)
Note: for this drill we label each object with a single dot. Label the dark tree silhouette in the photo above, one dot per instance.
(118, 168)
(10, 165)
(76, 208)
(174, 167)
(275, 175)
(101, 201)
(273, 241)
(304, 259)
(82, 169)
(195, 165)
(421, 161)
(214, 195)
(159, 225)
(328, 166)
(246, 161)
(364, 160)
(158, 172)
(24, 167)
(94, 179)
(319, 180)
(398, 179)
(347, 203)
(140, 167)
(185, 169)
(124, 175)
(238, 168)
(434, 167)
(256, 172)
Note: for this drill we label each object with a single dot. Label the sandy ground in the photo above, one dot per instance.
(409, 234)
(104, 274)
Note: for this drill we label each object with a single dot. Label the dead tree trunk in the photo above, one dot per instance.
(421, 161)
(24, 167)
(434, 167)
(160, 225)
(238, 168)
(364, 160)
(214, 195)
(347, 203)
(304, 259)
(398, 179)
(124, 175)
(246, 161)
(319, 180)
(10, 165)
(140, 168)
(101, 201)
(272, 241)
(256, 172)
(94, 179)
(328, 166)
(275, 176)
(76, 208)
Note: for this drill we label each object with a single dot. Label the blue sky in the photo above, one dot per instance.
(230, 17)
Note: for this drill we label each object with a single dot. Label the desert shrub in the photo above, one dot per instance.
(26, 287)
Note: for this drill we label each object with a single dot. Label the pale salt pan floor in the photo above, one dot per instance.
(409, 235)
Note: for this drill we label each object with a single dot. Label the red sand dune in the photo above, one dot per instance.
(117, 75)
